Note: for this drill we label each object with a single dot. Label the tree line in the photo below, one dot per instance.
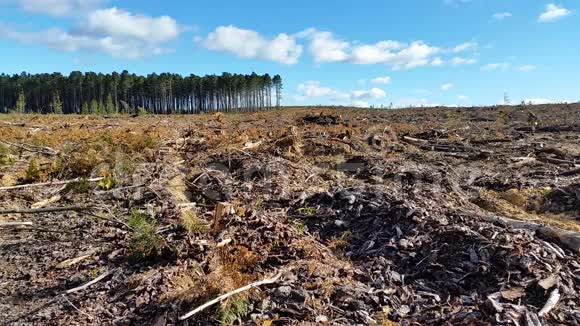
(166, 93)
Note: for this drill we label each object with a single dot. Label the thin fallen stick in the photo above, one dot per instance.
(229, 294)
(53, 183)
(44, 210)
(13, 224)
(89, 283)
(63, 295)
(551, 303)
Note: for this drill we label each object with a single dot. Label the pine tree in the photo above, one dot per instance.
(85, 108)
(94, 107)
(21, 102)
(56, 105)
(110, 107)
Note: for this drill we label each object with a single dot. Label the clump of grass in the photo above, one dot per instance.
(300, 227)
(145, 243)
(307, 210)
(233, 309)
(192, 224)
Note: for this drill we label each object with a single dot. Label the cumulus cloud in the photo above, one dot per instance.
(360, 104)
(314, 89)
(437, 62)
(381, 80)
(535, 101)
(325, 47)
(553, 13)
(457, 61)
(57, 7)
(446, 87)
(61, 40)
(373, 93)
(251, 45)
(502, 15)
(406, 102)
(527, 68)
(495, 66)
(116, 32)
(123, 24)
(464, 47)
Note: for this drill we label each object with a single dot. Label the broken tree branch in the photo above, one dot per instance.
(89, 283)
(13, 224)
(44, 210)
(229, 294)
(551, 303)
(52, 183)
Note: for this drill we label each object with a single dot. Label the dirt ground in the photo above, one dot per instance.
(357, 217)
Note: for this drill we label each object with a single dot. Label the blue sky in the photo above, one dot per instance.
(366, 52)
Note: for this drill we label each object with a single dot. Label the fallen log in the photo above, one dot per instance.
(569, 239)
(52, 183)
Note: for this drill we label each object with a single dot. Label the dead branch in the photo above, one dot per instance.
(14, 224)
(52, 183)
(229, 294)
(33, 148)
(568, 238)
(44, 210)
(551, 303)
(89, 283)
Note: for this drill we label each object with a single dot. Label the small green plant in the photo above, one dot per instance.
(32, 171)
(192, 223)
(5, 157)
(107, 183)
(300, 227)
(233, 309)
(307, 210)
(79, 187)
(145, 243)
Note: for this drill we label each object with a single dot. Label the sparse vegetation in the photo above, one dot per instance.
(144, 243)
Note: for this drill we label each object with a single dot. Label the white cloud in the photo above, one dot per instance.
(58, 39)
(313, 89)
(527, 68)
(373, 93)
(535, 101)
(495, 66)
(116, 32)
(502, 15)
(552, 13)
(463, 98)
(381, 80)
(360, 104)
(123, 24)
(250, 44)
(464, 47)
(324, 47)
(437, 62)
(406, 102)
(57, 7)
(446, 87)
(457, 61)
